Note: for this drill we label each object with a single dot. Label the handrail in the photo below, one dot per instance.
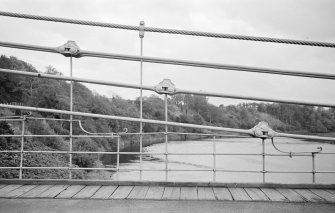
(169, 123)
(36, 109)
(83, 53)
(151, 88)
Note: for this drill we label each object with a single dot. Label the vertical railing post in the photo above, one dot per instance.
(166, 139)
(214, 159)
(313, 166)
(22, 145)
(117, 157)
(71, 117)
(263, 159)
(141, 34)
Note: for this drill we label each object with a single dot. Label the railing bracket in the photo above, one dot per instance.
(69, 49)
(263, 130)
(166, 87)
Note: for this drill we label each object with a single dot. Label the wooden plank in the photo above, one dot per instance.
(155, 193)
(70, 191)
(121, 192)
(36, 191)
(222, 193)
(329, 197)
(19, 191)
(291, 195)
(104, 192)
(273, 194)
(86, 192)
(256, 194)
(206, 193)
(188, 193)
(5, 190)
(332, 191)
(52, 192)
(309, 196)
(171, 193)
(239, 194)
(138, 192)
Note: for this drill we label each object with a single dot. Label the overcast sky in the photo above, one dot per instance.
(298, 19)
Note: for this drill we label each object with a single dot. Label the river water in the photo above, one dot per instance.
(240, 162)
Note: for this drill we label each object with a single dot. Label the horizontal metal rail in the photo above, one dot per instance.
(242, 131)
(62, 136)
(84, 53)
(160, 153)
(171, 170)
(75, 79)
(123, 134)
(151, 88)
(169, 31)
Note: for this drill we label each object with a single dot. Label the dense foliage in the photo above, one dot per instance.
(47, 93)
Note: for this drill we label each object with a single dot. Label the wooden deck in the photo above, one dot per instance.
(159, 192)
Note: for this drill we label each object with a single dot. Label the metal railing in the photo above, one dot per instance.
(118, 136)
(166, 87)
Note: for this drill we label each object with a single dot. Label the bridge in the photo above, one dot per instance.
(73, 195)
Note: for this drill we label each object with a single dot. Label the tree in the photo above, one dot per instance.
(52, 71)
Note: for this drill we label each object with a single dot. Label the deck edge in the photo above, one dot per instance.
(163, 183)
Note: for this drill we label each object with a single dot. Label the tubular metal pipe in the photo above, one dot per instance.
(310, 137)
(71, 118)
(156, 153)
(118, 158)
(263, 159)
(125, 118)
(255, 98)
(141, 35)
(166, 138)
(313, 167)
(28, 47)
(76, 79)
(207, 134)
(64, 136)
(243, 131)
(22, 147)
(106, 136)
(171, 170)
(214, 159)
(34, 167)
(85, 53)
(6, 119)
(183, 91)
